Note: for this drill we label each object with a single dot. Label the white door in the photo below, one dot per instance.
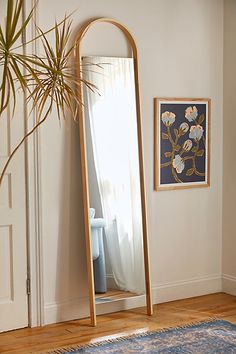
(13, 251)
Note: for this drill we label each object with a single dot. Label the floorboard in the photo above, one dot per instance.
(171, 314)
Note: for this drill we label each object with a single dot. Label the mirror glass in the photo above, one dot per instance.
(114, 178)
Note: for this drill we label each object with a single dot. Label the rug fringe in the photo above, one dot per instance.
(129, 336)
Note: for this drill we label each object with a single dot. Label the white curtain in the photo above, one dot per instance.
(112, 115)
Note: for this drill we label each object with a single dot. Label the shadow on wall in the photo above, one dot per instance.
(71, 275)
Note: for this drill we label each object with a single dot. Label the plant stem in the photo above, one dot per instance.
(188, 158)
(170, 137)
(173, 144)
(22, 141)
(204, 141)
(175, 175)
(177, 138)
(202, 174)
(166, 164)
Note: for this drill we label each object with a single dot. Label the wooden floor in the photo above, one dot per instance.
(176, 313)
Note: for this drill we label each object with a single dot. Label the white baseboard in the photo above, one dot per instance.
(170, 291)
(162, 292)
(65, 311)
(229, 284)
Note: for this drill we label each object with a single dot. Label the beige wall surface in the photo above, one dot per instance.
(229, 168)
(180, 44)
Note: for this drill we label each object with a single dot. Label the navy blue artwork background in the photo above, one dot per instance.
(178, 109)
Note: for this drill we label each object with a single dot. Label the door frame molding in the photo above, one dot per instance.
(34, 231)
(34, 203)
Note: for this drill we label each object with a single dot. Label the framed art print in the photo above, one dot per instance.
(182, 143)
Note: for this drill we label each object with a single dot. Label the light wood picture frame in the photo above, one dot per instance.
(181, 143)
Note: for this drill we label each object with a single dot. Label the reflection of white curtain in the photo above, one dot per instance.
(112, 116)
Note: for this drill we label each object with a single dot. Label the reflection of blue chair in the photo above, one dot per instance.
(99, 265)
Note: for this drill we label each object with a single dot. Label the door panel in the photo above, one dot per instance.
(6, 265)
(13, 251)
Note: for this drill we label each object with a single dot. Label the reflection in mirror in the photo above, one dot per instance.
(114, 178)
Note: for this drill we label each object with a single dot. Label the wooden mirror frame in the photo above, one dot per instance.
(83, 152)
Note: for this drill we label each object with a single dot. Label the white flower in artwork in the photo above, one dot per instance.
(178, 163)
(184, 127)
(196, 132)
(168, 118)
(191, 113)
(187, 145)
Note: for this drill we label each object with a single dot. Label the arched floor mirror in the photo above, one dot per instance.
(113, 178)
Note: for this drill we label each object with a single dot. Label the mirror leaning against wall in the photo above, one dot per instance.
(113, 179)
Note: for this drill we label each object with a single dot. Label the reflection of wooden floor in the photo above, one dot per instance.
(114, 294)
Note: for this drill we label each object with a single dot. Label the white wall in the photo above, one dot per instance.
(180, 45)
(229, 168)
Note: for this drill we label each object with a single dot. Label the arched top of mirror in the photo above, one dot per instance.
(106, 37)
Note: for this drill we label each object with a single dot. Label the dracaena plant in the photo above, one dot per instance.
(47, 80)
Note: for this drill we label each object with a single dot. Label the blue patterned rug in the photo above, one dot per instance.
(213, 337)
